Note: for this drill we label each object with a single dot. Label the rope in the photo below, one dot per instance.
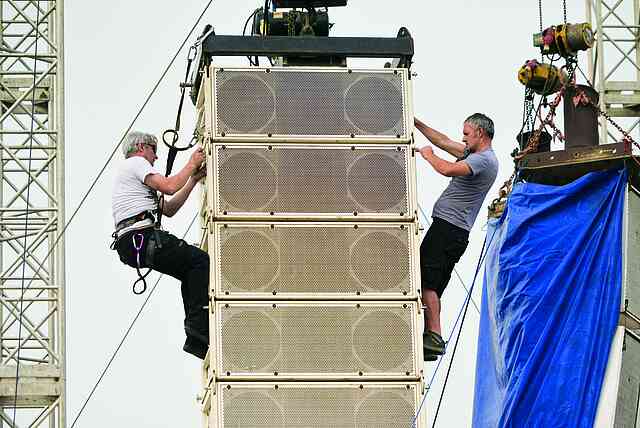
(426, 219)
(126, 334)
(26, 217)
(115, 149)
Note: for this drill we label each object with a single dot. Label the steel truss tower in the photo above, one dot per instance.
(614, 65)
(32, 265)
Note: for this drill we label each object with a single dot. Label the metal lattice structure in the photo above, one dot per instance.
(32, 264)
(614, 65)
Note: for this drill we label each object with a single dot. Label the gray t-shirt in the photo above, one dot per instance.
(461, 201)
(130, 195)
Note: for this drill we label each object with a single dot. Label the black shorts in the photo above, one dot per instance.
(441, 249)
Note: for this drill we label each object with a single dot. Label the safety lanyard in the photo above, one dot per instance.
(170, 136)
(141, 278)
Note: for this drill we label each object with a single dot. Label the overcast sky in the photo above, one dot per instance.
(467, 56)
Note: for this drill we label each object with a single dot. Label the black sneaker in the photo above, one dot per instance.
(432, 344)
(430, 357)
(195, 347)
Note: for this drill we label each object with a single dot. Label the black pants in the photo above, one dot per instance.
(186, 263)
(441, 248)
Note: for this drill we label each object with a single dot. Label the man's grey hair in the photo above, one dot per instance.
(481, 121)
(130, 144)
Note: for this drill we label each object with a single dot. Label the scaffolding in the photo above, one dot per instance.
(614, 64)
(32, 263)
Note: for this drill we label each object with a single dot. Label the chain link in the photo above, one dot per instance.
(564, 11)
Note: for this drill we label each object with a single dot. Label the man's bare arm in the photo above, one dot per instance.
(444, 167)
(172, 206)
(170, 185)
(440, 140)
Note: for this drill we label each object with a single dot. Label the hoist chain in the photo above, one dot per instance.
(532, 145)
(540, 14)
(564, 11)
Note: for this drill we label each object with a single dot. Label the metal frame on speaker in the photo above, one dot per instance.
(274, 322)
(294, 260)
(272, 153)
(266, 132)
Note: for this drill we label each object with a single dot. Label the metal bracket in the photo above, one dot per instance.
(210, 45)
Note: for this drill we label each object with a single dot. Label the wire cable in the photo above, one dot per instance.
(115, 149)
(426, 219)
(126, 334)
(26, 217)
(483, 254)
(463, 312)
(435, 372)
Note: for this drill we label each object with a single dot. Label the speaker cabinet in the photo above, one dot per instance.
(619, 404)
(311, 104)
(316, 340)
(631, 253)
(296, 181)
(308, 260)
(317, 404)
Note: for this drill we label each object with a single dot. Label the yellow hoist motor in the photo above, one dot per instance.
(564, 39)
(543, 79)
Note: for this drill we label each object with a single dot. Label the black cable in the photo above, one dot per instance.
(26, 217)
(115, 149)
(244, 31)
(266, 17)
(455, 346)
(126, 334)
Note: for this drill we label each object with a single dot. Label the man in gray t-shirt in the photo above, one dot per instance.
(472, 175)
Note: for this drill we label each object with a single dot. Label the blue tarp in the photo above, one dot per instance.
(550, 303)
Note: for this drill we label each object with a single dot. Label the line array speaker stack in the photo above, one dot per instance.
(313, 235)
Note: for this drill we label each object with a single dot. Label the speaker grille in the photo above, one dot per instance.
(314, 258)
(326, 340)
(317, 405)
(310, 102)
(290, 180)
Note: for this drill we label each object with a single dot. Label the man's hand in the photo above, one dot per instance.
(199, 174)
(197, 157)
(426, 152)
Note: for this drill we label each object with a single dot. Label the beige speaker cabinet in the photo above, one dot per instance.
(298, 104)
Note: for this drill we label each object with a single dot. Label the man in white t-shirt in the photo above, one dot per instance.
(140, 245)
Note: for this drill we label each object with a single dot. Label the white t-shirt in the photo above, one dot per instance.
(130, 195)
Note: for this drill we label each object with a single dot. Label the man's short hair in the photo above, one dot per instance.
(481, 121)
(130, 144)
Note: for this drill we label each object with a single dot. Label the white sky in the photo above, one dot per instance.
(467, 56)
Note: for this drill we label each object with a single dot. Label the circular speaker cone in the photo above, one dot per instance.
(381, 340)
(247, 182)
(251, 409)
(377, 183)
(384, 409)
(245, 104)
(374, 106)
(250, 342)
(380, 261)
(249, 261)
